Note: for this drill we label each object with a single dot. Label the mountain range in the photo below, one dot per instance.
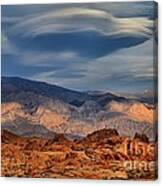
(32, 108)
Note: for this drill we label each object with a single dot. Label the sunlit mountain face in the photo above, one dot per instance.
(79, 90)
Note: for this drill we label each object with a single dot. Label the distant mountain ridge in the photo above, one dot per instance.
(59, 110)
(17, 85)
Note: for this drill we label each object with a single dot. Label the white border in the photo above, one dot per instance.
(59, 1)
(74, 182)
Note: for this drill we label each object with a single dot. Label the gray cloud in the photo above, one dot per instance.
(113, 71)
(68, 20)
(7, 47)
(117, 66)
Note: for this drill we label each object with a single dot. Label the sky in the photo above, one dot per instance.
(93, 46)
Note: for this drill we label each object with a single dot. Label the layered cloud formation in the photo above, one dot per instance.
(107, 46)
(72, 20)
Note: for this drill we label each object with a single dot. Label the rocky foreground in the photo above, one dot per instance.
(103, 154)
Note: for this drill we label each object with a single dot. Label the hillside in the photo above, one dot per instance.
(134, 110)
(27, 103)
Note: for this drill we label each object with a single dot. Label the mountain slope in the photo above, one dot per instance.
(28, 103)
(135, 110)
(18, 86)
(17, 89)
